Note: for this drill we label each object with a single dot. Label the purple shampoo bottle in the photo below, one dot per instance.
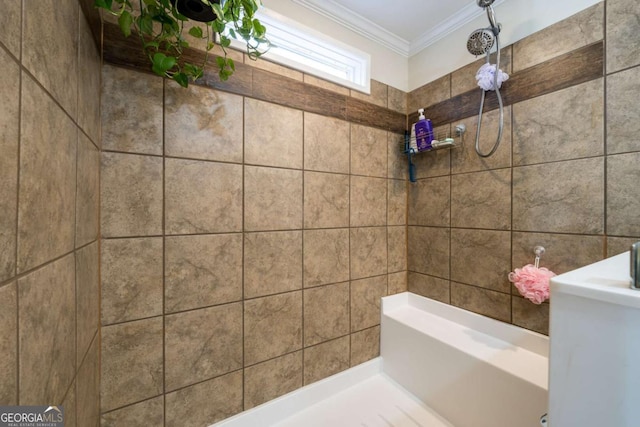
(424, 132)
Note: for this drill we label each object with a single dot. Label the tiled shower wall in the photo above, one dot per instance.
(49, 175)
(246, 246)
(565, 176)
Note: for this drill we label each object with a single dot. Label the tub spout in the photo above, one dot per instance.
(635, 266)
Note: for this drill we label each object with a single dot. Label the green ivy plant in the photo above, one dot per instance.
(161, 28)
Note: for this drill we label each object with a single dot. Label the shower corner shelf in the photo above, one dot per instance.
(459, 131)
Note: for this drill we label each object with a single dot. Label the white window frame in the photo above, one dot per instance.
(302, 48)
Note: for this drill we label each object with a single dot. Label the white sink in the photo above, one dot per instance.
(594, 360)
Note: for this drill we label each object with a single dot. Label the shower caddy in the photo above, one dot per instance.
(406, 149)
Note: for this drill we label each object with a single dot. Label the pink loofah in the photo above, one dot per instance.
(532, 282)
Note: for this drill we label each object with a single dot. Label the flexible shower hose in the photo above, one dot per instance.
(497, 89)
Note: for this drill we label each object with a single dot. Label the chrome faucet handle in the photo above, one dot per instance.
(635, 266)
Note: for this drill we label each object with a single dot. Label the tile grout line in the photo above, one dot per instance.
(77, 364)
(17, 218)
(164, 256)
(244, 234)
(302, 291)
(605, 79)
(349, 244)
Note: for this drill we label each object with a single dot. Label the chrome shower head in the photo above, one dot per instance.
(485, 3)
(480, 41)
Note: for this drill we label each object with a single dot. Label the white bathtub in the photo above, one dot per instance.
(440, 366)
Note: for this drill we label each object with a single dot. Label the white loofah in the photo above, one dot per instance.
(485, 77)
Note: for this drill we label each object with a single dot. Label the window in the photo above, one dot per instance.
(312, 52)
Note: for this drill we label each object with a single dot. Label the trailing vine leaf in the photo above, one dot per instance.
(125, 21)
(182, 79)
(196, 32)
(163, 63)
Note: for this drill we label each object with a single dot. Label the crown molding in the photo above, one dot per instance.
(446, 27)
(358, 24)
(364, 27)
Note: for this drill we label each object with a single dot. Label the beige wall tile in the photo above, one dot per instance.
(430, 202)
(428, 251)
(623, 192)
(464, 157)
(378, 95)
(368, 201)
(464, 79)
(326, 359)
(9, 345)
(272, 199)
(482, 301)
(272, 263)
(326, 313)
(131, 279)
(202, 271)
(481, 258)
(326, 200)
(131, 111)
(202, 197)
(368, 151)
(397, 100)
(396, 202)
(271, 379)
(365, 345)
(623, 34)
(131, 195)
(368, 252)
(563, 125)
(265, 64)
(89, 90)
(552, 197)
(87, 191)
(272, 326)
(205, 403)
(57, 21)
(365, 301)
(131, 363)
(47, 332)
(70, 407)
(397, 248)
(530, 316)
(326, 256)
(618, 245)
(563, 252)
(202, 123)
(10, 26)
(87, 298)
(481, 200)
(396, 159)
(429, 286)
(9, 136)
(315, 81)
(88, 388)
(430, 94)
(560, 38)
(397, 283)
(202, 344)
(273, 135)
(326, 143)
(149, 412)
(623, 114)
(47, 179)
